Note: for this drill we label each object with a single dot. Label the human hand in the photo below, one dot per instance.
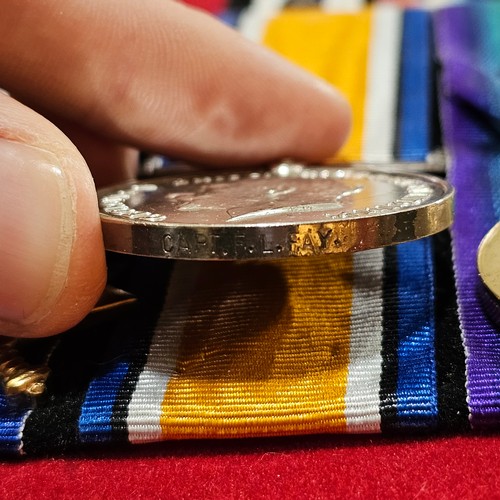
(118, 76)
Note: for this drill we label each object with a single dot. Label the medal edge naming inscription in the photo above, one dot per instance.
(129, 229)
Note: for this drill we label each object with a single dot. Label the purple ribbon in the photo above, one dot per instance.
(468, 48)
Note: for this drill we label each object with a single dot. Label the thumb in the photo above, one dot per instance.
(52, 267)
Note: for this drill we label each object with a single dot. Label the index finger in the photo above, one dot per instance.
(164, 77)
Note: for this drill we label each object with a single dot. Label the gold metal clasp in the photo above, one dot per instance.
(19, 376)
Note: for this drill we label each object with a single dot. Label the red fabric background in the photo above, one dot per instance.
(296, 467)
(214, 6)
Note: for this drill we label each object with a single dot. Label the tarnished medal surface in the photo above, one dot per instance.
(284, 211)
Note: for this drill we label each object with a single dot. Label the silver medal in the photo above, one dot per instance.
(284, 211)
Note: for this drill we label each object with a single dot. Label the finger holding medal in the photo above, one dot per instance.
(94, 83)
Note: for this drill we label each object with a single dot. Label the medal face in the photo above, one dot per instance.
(488, 264)
(288, 210)
(488, 260)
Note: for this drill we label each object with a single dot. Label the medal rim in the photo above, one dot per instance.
(263, 240)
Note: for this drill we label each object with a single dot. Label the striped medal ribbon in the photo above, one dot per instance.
(367, 342)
